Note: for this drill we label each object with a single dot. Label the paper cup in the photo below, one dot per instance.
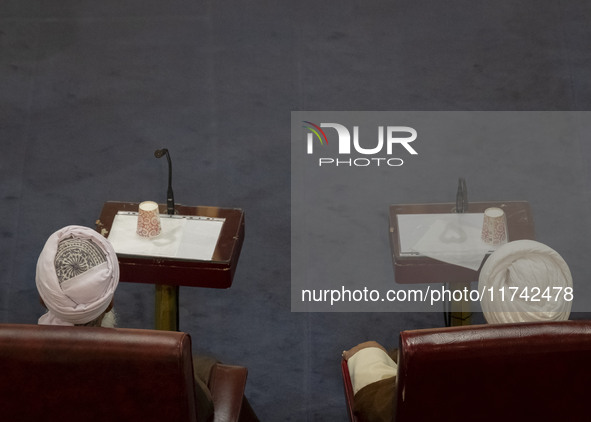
(494, 227)
(148, 219)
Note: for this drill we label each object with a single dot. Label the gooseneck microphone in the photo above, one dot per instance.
(169, 195)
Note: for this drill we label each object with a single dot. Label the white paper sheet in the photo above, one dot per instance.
(451, 238)
(182, 237)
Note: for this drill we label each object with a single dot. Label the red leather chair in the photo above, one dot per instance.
(52, 373)
(509, 372)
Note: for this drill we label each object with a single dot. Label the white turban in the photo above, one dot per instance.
(533, 278)
(76, 282)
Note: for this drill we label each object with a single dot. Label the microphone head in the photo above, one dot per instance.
(160, 152)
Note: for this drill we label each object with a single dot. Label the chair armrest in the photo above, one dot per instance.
(349, 396)
(227, 384)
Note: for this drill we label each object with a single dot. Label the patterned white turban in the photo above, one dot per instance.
(534, 279)
(77, 274)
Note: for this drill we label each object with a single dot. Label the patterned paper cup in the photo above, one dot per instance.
(494, 227)
(148, 220)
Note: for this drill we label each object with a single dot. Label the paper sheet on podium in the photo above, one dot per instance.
(451, 238)
(182, 237)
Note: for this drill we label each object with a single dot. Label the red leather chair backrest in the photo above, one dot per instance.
(51, 373)
(516, 372)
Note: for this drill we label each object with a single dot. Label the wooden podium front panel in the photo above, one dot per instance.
(421, 269)
(216, 273)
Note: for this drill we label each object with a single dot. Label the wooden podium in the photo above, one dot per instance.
(422, 269)
(167, 274)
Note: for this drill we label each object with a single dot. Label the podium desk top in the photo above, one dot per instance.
(422, 269)
(216, 273)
